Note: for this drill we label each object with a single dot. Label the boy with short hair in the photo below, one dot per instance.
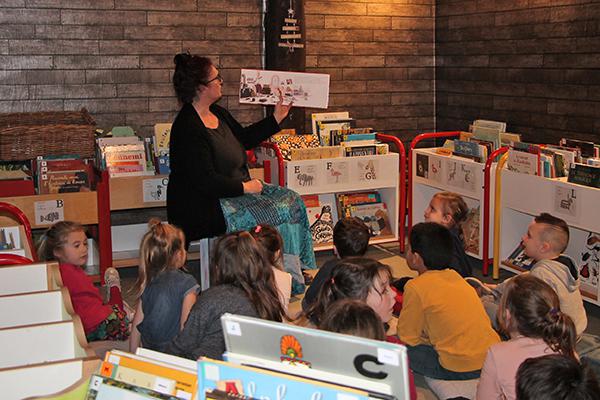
(442, 322)
(350, 239)
(545, 240)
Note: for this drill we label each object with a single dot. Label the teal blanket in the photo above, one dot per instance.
(277, 206)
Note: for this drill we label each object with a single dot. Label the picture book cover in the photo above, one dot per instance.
(151, 374)
(589, 263)
(102, 387)
(264, 384)
(322, 216)
(523, 162)
(471, 227)
(287, 142)
(162, 135)
(585, 175)
(376, 217)
(327, 130)
(265, 87)
(519, 259)
(63, 182)
(316, 117)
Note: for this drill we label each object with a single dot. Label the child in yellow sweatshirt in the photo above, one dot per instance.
(443, 323)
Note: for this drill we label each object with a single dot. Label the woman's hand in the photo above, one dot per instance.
(281, 110)
(253, 186)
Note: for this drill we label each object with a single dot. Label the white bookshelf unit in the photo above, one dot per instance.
(525, 196)
(344, 175)
(433, 173)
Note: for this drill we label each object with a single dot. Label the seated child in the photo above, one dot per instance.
(66, 243)
(271, 241)
(442, 323)
(530, 314)
(166, 293)
(242, 283)
(350, 239)
(355, 317)
(449, 209)
(546, 238)
(556, 377)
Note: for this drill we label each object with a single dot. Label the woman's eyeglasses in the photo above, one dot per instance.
(218, 77)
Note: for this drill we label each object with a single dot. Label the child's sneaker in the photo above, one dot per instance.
(112, 278)
(480, 287)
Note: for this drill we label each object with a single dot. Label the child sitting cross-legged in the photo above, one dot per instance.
(166, 293)
(545, 241)
(350, 239)
(442, 323)
(530, 314)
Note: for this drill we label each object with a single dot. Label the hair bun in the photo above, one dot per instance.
(154, 222)
(182, 58)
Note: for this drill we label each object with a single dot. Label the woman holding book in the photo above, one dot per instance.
(210, 191)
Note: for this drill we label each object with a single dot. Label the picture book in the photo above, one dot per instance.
(10, 238)
(589, 262)
(519, 259)
(487, 134)
(351, 150)
(584, 175)
(326, 129)
(469, 149)
(322, 216)
(264, 87)
(150, 373)
(316, 117)
(346, 200)
(523, 162)
(162, 135)
(375, 216)
(63, 182)
(102, 387)
(496, 125)
(264, 384)
(507, 139)
(287, 142)
(586, 148)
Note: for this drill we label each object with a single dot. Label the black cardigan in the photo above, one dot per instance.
(195, 187)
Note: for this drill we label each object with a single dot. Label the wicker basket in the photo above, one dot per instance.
(25, 136)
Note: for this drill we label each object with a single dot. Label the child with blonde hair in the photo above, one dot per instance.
(450, 210)
(166, 293)
(66, 242)
(530, 314)
(270, 239)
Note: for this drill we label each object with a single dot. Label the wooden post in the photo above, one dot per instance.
(285, 40)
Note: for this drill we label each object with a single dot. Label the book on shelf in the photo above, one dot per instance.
(352, 150)
(586, 148)
(103, 387)
(525, 162)
(489, 135)
(507, 139)
(10, 238)
(519, 259)
(16, 179)
(150, 373)
(375, 216)
(583, 174)
(316, 153)
(496, 125)
(322, 216)
(325, 128)
(470, 149)
(126, 160)
(162, 135)
(266, 384)
(287, 142)
(317, 117)
(63, 182)
(349, 135)
(345, 200)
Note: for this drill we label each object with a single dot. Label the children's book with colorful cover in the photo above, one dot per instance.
(523, 162)
(265, 384)
(150, 373)
(375, 216)
(322, 216)
(519, 259)
(102, 387)
(585, 175)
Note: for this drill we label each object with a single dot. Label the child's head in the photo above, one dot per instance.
(238, 260)
(547, 237)
(270, 239)
(360, 279)
(351, 237)
(530, 307)
(429, 247)
(162, 248)
(446, 208)
(353, 317)
(65, 242)
(556, 377)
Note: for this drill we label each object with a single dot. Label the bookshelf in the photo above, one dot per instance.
(525, 196)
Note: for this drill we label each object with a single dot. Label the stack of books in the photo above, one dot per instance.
(367, 206)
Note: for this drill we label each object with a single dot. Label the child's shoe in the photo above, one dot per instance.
(112, 278)
(480, 287)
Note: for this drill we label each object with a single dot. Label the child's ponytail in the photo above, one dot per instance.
(559, 332)
(534, 310)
